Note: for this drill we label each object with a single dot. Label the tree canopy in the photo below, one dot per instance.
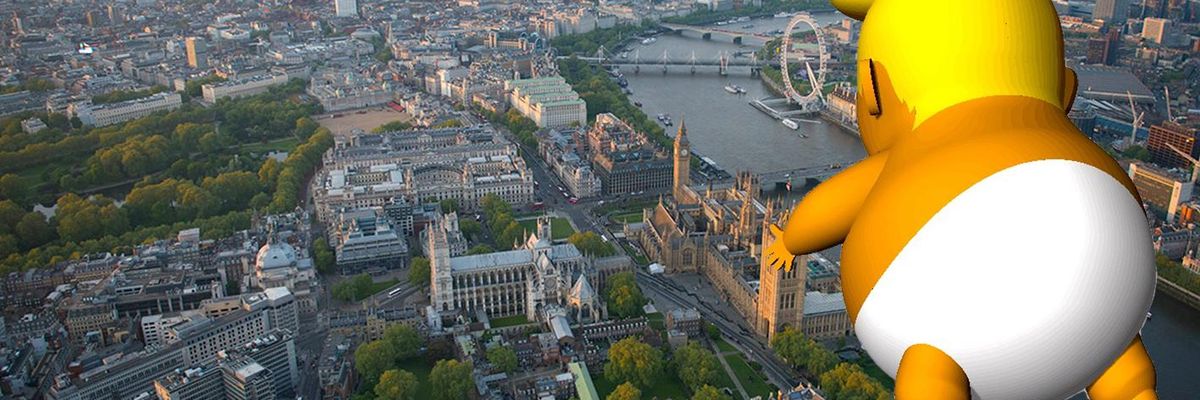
(696, 365)
(503, 358)
(452, 380)
(353, 289)
(630, 360)
(625, 391)
(372, 358)
(625, 298)
(708, 392)
(589, 243)
(397, 384)
(802, 352)
(404, 340)
(418, 272)
(848, 381)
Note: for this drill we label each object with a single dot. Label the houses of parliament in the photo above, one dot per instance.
(720, 233)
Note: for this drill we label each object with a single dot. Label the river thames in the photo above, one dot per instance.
(738, 137)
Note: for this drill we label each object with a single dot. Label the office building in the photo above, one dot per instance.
(197, 52)
(199, 383)
(1168, 137)
(1111, 11)
(626, 161)
(1162, 189)
(366, 242)
(1156, 30)
(240, 87)
(549, 101)
(113, 113)
(345, 8)
(246, 379)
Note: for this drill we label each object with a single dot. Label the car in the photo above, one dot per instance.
(573, 200)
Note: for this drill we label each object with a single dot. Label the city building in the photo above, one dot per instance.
(455, 241)
(367, 242)
(549, 101)
(1162, 189)
(197, 52)
(463, 164)
(241, 87)
(1168, 137)
(529, 280)
(721, 233)
(825, 316)
(199, 383)
(198, 341)
(1111, 11)
(686, 320)
(345, 89)
(562, 151)
(1156, 30)
(114, 113)
(626, 161)
(345, 8)
(246, 379)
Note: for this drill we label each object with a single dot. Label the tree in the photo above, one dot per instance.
(418, 272)
(503, 358)
(452, 380)
(625, 299)
(625, 391)
(802, 352)
(470, 227)
(630, 360)
(590, 243)
(848, 381)
(404, 340)
(353, 289)
(305, 127)
(392, 126)
(13, 187)
(372, 358)
(33, 230)
(480, 249)
(708, 392)
(323, 256)
(449, 205)
(10, 215)
(695, 365)
(396, 384)
(714, 333)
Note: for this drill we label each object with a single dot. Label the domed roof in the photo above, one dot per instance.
(275, 254)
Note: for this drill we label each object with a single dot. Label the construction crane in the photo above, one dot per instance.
(1137, 119)
(1186, 156)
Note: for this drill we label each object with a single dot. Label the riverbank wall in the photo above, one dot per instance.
(1179, 293)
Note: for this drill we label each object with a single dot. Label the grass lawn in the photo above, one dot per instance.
(751, 380)
(656, 321)
(379, 286)
(637, 255)
(664, 387)
(628, 218)
(559, 227)
(418, 366)
(285, 144)
(724, 346)
(509, 321)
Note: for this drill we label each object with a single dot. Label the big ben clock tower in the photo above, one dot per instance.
(683, 163)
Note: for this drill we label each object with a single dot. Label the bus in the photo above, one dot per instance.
(394, 292)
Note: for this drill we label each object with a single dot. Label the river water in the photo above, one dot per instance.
(725, 128)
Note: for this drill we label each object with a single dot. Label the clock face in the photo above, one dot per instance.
(683, 152)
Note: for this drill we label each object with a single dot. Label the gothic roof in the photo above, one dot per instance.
(582, 290)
